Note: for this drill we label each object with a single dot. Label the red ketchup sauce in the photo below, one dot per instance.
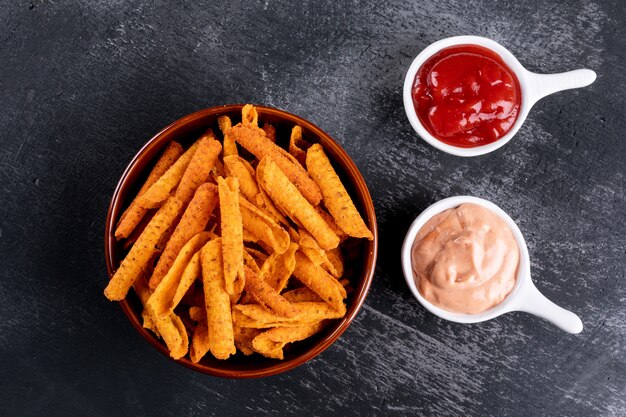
(466, 96)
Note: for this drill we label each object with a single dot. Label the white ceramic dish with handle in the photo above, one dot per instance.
(533, 88)
(524, 296)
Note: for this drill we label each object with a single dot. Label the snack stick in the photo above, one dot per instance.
(255, 141)
(336, 259)
(199, 342)
(250, 262)
(270, 343)
(294, 145)
(230, 147)
(197, 313)
(160, 190)
(334, 194)
(316, 254)
(300, 295)
(218, 313)
(232, 235)
(331, 223)
(270, 131)
(249, 116)
(170, 328)
(191, 273)
(138, 230)
(161, 301)
(193, 221)
(200, 167)
(240, 168)
(243, 338)
(318, 280)
(284, 266)
(287, 196)
(263, 227)
(136, 261)
(264, 203)
(135, 213)
(258, 256)
(266, 295)
(255, 316)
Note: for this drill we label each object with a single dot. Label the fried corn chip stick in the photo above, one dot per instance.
(243, 338)
(249, 116)
(258, 256)
(136, 261)
(173, 287)
(336, 259)
(232, 235)
(296, 143)
(138, 230)
(218, 313)
(255, 141)
(241, 169)
(318, 280)
(317, 255)
(230, 147)
(199, 342)
(266, 295)
(287, 196)
(257, 317)
(193, 221)
(263, 227)
(265, 203)
(331, 223)
(160, 190)
(271, 342)
(197, 313)
(301, 295)
(170, 328)
(334, 194)
(135, 213)
(283, 268)
(200, 167)
(250, 262)
(270, 131)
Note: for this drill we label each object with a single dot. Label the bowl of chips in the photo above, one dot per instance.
(241, 241)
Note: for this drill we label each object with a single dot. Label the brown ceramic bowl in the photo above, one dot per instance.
(360, 258)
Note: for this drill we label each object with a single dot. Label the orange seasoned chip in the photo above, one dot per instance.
(263, 293)
(232, 235)
(334, 194)
(288, 198)
(230, 147)
(271, 342)
(135, 213)
(200, 167)
(318, 280)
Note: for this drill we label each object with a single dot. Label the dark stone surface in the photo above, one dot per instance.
(83, 84)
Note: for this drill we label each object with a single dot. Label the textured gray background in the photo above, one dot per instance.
(83, 84)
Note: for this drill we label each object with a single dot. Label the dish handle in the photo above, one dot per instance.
(534, 302)
(542, 85)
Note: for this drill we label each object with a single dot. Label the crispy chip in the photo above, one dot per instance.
(331, 223)
(286, 196)
(256, 316)
(140, 254)
(297, 145)
(193, 221)
(249, 115)
(244, 337)
(200, 167)
(160, 190)
(232, 235)
(301, 295)
(270, 343)
(317, 255)
(334, 194)
(135, 213)
(230, 147)
(199, 342)
(266, 295)
(283, 268)
(241, 169)
(263, 227)
(255, 141)
(318, 280)
(172, 288)
(270, 131)
(219, 319)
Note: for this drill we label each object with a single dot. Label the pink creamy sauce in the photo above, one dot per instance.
(465, 259)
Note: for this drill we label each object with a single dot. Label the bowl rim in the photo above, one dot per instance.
(365, 280)
(527, 99)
